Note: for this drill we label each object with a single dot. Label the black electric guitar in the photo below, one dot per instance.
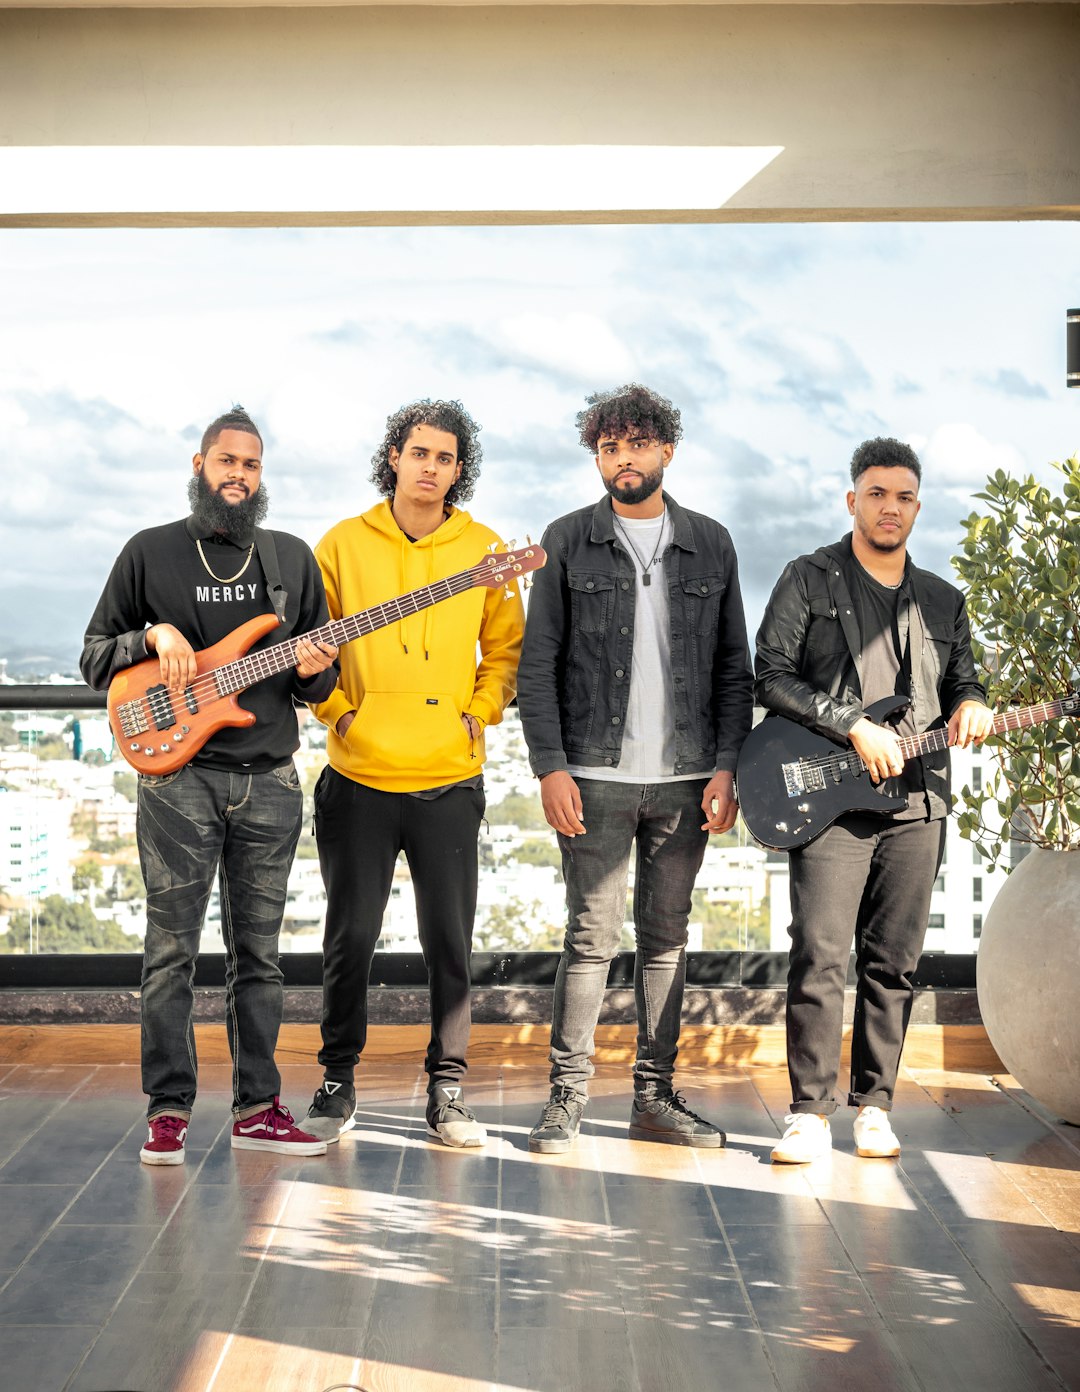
(158, 730)
(793, 784)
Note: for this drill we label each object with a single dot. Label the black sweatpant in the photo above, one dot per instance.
(359, 831)
(871, 879)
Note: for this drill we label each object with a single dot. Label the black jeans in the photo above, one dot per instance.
(662, 822)
(869, 879)
(193, 824)
(360, 831)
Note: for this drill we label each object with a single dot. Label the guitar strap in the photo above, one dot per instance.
(279, 595)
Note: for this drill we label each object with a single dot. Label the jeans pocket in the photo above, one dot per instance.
(287, 776)
(151, 781)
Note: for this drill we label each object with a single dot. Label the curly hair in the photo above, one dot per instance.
(629, 410)
(883, 452)
(235, 419)
(450, 416)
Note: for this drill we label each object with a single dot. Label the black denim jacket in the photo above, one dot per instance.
(574, 677)
(809, 649)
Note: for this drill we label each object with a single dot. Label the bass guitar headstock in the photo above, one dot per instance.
(503, 567)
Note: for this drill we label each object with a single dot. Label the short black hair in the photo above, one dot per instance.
(235, 419)
(450, 416)
(629, 410)
(883, 452)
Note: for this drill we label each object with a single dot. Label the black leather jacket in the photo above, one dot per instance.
(574, 677)
(809, 649)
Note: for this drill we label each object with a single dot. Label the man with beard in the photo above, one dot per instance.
(846, 626)
(236, 808)
(634, 692)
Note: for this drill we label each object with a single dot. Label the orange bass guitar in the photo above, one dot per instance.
(158, 730)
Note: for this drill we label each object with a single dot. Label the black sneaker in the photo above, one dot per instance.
(332, 1111)
(669, 1120)
(450, 1121)
(559, 1123)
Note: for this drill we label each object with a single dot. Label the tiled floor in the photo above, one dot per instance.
(395, 1264)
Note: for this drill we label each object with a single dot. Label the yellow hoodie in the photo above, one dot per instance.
(411, 682)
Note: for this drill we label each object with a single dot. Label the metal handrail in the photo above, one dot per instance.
(50, 696)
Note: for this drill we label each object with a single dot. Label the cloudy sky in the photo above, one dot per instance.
(784, 346)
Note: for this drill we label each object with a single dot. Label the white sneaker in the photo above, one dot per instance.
(874, 1137)
(808, 1137)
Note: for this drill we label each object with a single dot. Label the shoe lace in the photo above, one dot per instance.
(676, 1102)
(457, 1106)
(168, 1127)
(557, 1108)
(279, 1118)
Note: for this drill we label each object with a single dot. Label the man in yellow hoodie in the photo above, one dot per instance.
(406, 748)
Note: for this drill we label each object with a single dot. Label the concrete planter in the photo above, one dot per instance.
(1028, 977)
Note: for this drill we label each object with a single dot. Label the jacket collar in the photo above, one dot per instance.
(603, 523)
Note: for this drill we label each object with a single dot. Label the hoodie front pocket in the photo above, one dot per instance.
(401, 732)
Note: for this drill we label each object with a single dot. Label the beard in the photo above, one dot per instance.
(237, 521)
(639, 492)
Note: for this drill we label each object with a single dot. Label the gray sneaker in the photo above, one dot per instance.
(669, 1120)
(559, 1123)
(332, 1111)
(450, 1121)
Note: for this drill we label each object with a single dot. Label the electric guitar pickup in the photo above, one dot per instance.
(159, 730)
(793, 784)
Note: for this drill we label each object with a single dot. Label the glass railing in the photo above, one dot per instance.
(70, 881)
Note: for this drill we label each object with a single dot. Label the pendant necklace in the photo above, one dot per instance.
(646, 578)
(220, 578)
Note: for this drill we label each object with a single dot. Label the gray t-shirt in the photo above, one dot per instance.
(877, 607)
(648, 744)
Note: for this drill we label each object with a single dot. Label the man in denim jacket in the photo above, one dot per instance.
(635, 697)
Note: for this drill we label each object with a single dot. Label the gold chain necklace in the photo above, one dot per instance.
(220, 578)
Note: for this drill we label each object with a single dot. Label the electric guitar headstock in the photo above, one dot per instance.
(502, 567)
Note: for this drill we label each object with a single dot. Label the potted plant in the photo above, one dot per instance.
(1020, 564)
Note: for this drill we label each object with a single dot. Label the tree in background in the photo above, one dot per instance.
(59, 926)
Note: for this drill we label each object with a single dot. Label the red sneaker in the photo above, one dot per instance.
(165, 1144)
(274, 1129)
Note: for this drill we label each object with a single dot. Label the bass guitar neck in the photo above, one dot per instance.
(158, 729)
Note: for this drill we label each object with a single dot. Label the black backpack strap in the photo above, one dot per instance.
(279, 596)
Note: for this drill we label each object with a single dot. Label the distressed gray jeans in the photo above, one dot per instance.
(193, 824)
(662, 823)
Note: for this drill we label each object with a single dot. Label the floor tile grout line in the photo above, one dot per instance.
(1004, 1312)
(166, 1220)
(395, 1188)
(65, 1210)
(65, 1099)
(766, 1351)
(974, 1140)
(1066, 1141)
(229, 1338)
(497, 1330)
(620, 1284)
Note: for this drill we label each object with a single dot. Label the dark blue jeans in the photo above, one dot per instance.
(193, 824)
(663, 822)
(867, 879)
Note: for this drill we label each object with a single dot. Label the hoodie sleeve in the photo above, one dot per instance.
(501, 633)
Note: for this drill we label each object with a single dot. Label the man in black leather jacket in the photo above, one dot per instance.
(635, 695)
(846, 626)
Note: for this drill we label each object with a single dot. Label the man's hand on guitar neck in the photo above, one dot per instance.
(970, 723)
(175, 653)
(313, 658)
(878, 747)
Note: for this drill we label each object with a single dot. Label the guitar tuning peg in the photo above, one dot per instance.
(510, 545)
(526, 582)
(508, 593)
(493, 547)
